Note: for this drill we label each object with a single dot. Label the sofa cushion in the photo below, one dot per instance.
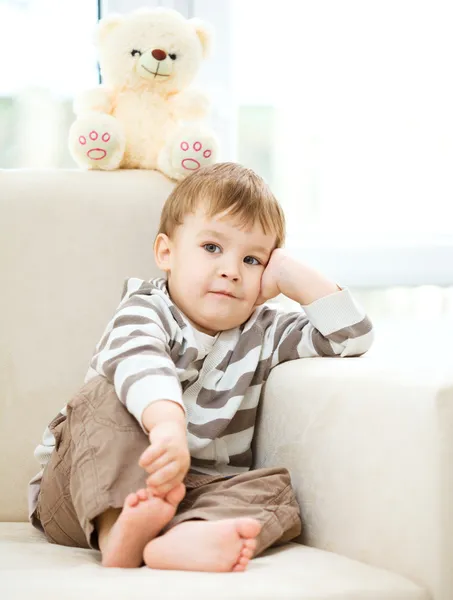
(30, 567)
(68, 241)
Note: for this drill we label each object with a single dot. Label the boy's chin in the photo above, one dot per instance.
(215, 324)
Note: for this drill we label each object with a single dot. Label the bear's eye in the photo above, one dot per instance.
(135, 52)
(172, 56)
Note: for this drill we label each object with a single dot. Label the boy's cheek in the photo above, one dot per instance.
(258, 294)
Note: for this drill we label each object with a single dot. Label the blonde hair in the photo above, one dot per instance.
(225, 187)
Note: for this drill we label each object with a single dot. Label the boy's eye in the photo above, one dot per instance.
(211, 248)
(248, 260)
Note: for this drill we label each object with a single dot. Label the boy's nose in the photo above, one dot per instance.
(229, 267)
(229, 275)
(230, 270)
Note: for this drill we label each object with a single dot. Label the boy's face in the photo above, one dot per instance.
(214, 269)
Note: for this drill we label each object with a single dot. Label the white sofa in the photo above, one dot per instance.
(368, 441)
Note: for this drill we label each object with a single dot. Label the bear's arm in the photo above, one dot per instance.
(189, 105)
(98, 99)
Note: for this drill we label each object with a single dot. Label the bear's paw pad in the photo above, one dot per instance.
(196, 156)
(92, 144)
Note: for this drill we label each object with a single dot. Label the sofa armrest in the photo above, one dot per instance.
(369, 445)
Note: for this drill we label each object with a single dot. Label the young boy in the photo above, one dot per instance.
(150, 461)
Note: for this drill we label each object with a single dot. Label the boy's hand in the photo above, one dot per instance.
(270, 277)
(288, 276)
(167, 459)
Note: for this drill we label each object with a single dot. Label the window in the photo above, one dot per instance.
(47, 58)
(345, 108)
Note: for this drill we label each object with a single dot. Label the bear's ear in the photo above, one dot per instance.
(204, 33)
(105, 26)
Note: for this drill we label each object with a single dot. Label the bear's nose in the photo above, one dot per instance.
(159, 54)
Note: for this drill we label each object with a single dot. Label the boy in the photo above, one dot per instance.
(150, 461)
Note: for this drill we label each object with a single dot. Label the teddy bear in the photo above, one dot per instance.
(144, 116)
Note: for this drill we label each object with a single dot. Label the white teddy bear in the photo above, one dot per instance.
(140, 117)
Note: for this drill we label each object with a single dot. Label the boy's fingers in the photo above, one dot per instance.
(150, 455)
(162, 490)
(158, 464)
(163, 475)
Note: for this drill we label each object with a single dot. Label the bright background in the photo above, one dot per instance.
(344, 107)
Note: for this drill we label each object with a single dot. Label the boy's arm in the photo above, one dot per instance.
(303, 283)
(163, 411)
(133, 354)
(167, 459)
(333, 323)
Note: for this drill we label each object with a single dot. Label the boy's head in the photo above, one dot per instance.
(217, 231)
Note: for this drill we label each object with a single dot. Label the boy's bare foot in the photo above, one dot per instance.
(141, 519)
(225, 545)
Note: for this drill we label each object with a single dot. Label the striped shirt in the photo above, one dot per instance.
(150, 351)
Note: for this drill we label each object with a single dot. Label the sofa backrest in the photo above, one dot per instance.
(68, 239)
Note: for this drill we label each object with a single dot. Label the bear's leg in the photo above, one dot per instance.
(188, 149)
(97, 141)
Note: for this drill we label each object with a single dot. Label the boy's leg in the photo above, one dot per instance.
(251, 511)
(93, 483)
(123, 534)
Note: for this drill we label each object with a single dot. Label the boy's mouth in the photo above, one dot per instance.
(222, 293)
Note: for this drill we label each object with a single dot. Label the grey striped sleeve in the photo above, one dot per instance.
(334, 325)
(134, 354)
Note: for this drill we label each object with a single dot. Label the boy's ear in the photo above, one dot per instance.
(162, 251)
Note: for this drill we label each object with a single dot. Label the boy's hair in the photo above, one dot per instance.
(225, 187)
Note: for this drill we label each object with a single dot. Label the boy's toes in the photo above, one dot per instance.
(247, 553)
(239, 567)
(142, 494)
(131, 500)
(249, 545)
(248, 528)
(245, 528)
(176, 495)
